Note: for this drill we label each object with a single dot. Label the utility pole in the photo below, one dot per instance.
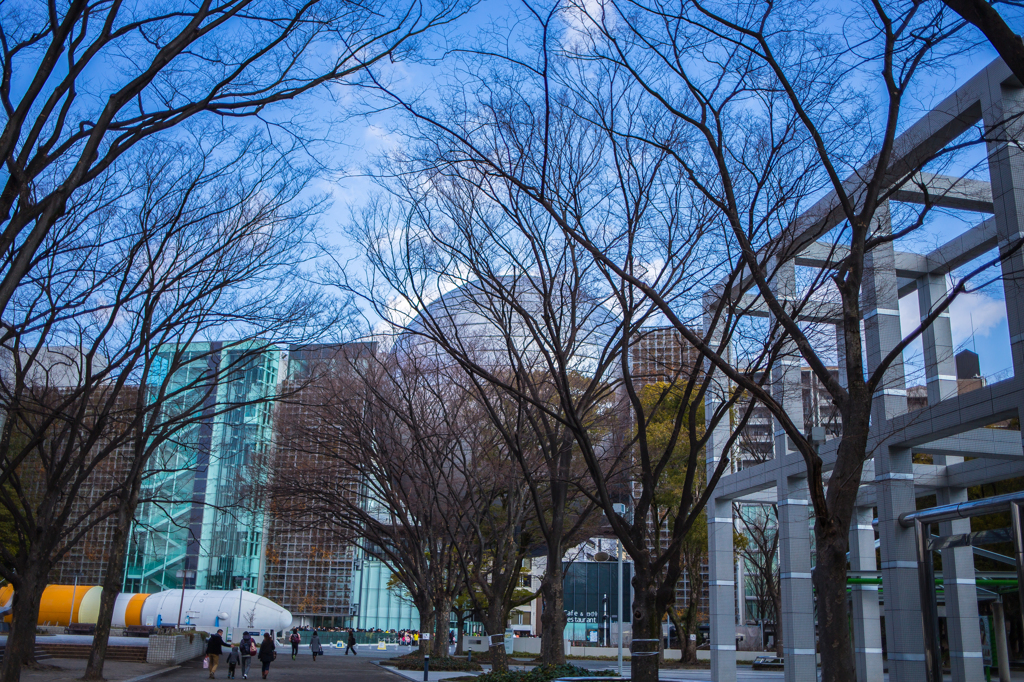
(183, 574)
(618, 609)
(74, 592)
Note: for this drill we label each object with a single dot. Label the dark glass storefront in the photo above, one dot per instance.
(587, 584)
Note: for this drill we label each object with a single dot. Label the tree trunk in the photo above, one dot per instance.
(442, 617)
(21, 640)
(777, 603)
(495, 621)
(112, 580)
(646, 626)
(552, 616)
(460, 633)
(426, 609)
(837, 661)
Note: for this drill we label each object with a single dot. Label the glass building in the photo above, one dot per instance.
(591, 594)
(377, 604)
(194, 524)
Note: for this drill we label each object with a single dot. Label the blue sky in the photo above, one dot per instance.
(978, 319)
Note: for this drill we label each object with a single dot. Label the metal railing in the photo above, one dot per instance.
(926, 544)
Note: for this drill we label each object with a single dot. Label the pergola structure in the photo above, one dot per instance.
(950, 428)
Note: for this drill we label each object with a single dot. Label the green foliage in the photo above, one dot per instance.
(544, 673)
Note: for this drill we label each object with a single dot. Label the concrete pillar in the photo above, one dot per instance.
(867, 631)
(1002, 105)
(741, 593)
(904, 630)
(961, 595)
(798, 632)
(721, 589)
(894, 474)
(999, 637)
(880, 304)
(939, 363)
(721, 581)
(965, 658)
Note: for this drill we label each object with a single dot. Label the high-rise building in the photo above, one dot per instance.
(661, 354)
(86, 561)
(199, 521)
(309, 566)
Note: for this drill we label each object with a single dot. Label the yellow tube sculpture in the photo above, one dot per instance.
(64, 604)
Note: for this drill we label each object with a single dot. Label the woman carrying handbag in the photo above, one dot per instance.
(268, 652)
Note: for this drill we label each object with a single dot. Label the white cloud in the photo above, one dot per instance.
(975, 310)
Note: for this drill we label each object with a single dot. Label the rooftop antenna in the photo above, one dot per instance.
(974, 340)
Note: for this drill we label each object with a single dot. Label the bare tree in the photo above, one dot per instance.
(120, 296)
(83, 82)
(382, 431)
(759, 549)
(489, 275)
(984, 16)
(768, 116)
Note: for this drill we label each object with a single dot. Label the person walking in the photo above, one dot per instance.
(234, 658)
(295, 640)
(314, 646)
(246, 650)
(351, 642)
(268, 652)
(214, 648)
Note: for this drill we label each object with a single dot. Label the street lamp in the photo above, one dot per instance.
(184, 575)
(242, 580)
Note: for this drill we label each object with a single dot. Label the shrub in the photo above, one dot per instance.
(544, 673)
(446, 664)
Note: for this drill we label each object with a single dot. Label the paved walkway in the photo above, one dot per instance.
(331, 666)
(69, 669)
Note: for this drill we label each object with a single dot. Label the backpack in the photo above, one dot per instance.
(252, 647)
(296, 639)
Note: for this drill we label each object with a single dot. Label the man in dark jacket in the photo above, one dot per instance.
(214, 647)
(351, 643)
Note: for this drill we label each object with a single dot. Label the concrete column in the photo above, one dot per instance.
(867, 631)
(1002, 105)
(880, 303)
(961, 594)
(741, 593)
(721, 580)
(721, 589)
(904, 630)
(965, 658)
(894, 473)
(786, 384)
(939, 364)
(798, 632)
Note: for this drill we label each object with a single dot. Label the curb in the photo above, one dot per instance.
(376, 663)
(152, 674)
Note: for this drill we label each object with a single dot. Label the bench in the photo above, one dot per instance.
(139, 631)
(80, 629)
(767, 663)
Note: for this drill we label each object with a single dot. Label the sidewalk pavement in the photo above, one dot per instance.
(72, 668)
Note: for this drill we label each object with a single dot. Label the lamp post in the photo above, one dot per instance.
(183, 574)
(242, 580)
(618, 607)
(74, 592)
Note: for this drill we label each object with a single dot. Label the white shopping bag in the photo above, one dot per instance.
(206, 662)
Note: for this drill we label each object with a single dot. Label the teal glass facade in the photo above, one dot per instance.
(195, 523)
(379, 606)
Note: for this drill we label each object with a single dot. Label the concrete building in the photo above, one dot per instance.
(950, 429)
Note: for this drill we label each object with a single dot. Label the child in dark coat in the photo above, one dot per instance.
(234, 658)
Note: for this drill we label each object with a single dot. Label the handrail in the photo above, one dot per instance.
(961, 510)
